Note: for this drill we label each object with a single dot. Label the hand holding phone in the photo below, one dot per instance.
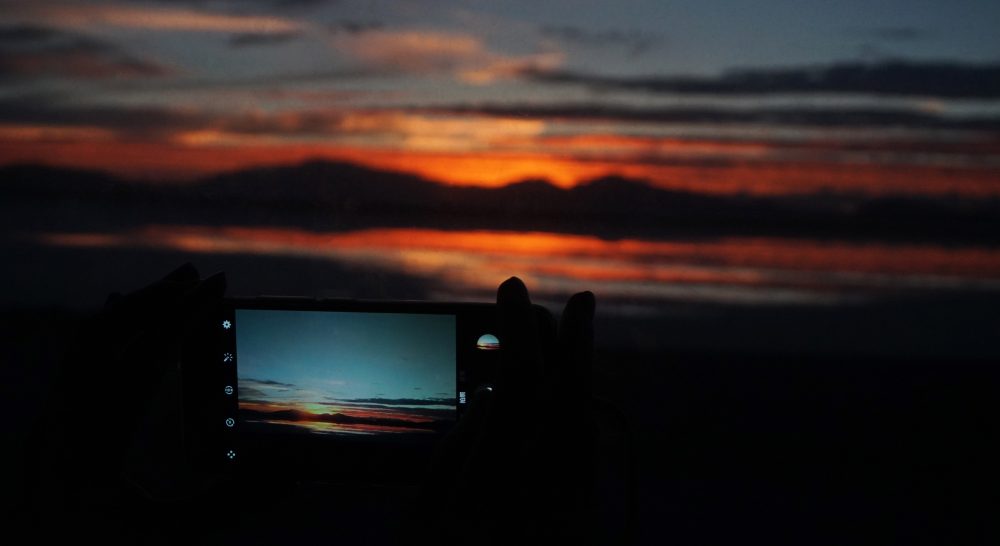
(112, 439)
(519, 464)
(500, 389)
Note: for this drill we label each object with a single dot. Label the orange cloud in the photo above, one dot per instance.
(417, 132)
(156, 18)
(497, 67)
(412, 51)
(54, 133)
(430, 52)
(609, 144)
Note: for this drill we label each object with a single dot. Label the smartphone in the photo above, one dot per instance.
(337, 389)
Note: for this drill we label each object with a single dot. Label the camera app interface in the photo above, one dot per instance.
(345, 373)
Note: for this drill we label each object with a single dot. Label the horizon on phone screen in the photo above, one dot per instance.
(346, 374)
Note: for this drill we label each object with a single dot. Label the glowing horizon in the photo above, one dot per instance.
(336, 372)
(466, 95)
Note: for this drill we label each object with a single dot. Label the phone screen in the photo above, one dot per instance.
(337, 389)
(345, 374)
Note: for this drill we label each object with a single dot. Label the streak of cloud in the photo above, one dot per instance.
(423, 52)
(34, 51)
(245, 39)
(892, 78)
(633, 41)
(147, 17)
(791, 116)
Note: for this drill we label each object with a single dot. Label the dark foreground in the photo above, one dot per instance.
(717, 446)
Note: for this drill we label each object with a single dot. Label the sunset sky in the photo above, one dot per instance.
(768, 97)
(367, 368)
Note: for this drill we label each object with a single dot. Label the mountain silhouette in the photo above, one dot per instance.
(322, 195)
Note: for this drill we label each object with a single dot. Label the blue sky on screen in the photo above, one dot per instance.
(317, 357)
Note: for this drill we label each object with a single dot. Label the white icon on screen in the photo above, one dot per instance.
(461, 397)
(226, 325)
(227, 357)
(229, 389)
(231, 454)
(230, 422)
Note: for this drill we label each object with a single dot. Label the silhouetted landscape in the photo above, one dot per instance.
(330, 198)
(342, 196)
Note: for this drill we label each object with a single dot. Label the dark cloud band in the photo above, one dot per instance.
(794, 117)
(898, 78)
(33, 51)
(634, 41)
(245, 39)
